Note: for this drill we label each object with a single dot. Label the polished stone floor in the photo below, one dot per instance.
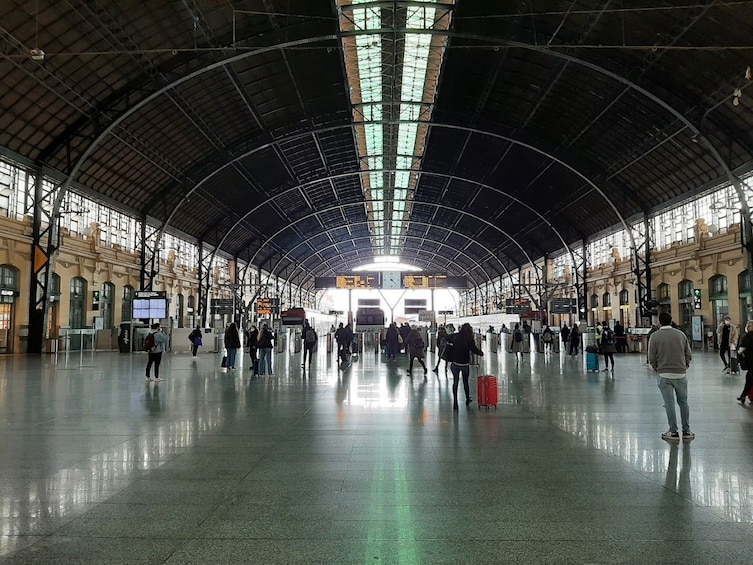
(363, 465)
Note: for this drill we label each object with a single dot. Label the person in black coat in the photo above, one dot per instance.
(461, 345)
(253, 348)
(232, 344)
(195, 337)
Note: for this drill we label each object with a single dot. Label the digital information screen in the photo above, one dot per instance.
(266, 306)
(144, 308)
(357, 281)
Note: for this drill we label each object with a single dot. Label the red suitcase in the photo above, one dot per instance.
(487, 391)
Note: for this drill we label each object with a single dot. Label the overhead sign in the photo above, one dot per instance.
(424, 281)
(221, 306)
(517, 306)
(266, 306)
(564, 306)
(151, 294)
(363, 280)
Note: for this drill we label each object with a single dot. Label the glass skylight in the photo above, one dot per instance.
(389, 194)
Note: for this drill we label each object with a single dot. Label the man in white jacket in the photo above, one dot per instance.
(669, 354)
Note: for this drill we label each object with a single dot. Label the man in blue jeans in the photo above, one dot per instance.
(669, 354)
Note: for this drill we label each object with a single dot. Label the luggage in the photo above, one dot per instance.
(734, 366)
(223, 363)
(487, 393)
(592, 361)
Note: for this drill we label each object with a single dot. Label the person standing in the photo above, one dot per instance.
(565, 333)
(392, 340)
(309, 342)
(341, 337)
(441, 344)
(745, 353)
(597, 334)
(516, 342)
(156, 341)
(547, 336)
(619, 337)
(669, 354)
(460, 346)
(727, 335)
(416, 348)
(232, 344)
(253, 348)
(195, 337)
(608, 346)
(264, 343)
(574, 340)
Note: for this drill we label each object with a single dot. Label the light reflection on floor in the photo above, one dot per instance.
(99, 441)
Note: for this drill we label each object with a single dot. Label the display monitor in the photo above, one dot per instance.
(149, 308)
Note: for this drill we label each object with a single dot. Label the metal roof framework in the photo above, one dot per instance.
(235, 123)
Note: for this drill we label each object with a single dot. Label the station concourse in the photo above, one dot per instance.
(251, 164)
(366, 465)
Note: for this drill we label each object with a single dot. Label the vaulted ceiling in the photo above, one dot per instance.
(308, 136)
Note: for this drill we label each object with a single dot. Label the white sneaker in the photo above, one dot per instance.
(158, 380)
(147, 379)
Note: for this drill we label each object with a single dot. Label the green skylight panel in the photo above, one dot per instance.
(402, 179)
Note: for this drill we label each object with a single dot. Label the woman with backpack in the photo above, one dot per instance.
(516, 342)
(195, 337)
(547, 336)
(608, 345)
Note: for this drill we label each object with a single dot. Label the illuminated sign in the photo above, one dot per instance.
(357, 281)
(517, 306)
(424, 281)
(266, 306)
(697, 299)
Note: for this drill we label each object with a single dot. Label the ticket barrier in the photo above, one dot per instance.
(294, 336)
(281, 341)
(330, 342)
(493, 342)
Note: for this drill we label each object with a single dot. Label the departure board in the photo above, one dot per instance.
(363, 280)
(424, 281)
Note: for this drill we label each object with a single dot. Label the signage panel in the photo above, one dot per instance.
(517, 306)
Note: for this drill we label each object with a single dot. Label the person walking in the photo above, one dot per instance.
(341, 337)
(620, 338)
(416, 349)
(565, 334)
(574, 340)
(310, 340)
(669, 354)
(404, 330)
(460, 347)
(264, 343)
(232, 344)
(745, 356)
(516, 342)
(253, 349)
(196, 342)
(727, 335)
(155, 345)
(393, 342)
(547, 337)
(608, 346)
(441, 344)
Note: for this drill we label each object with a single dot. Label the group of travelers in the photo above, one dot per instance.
(740, 349)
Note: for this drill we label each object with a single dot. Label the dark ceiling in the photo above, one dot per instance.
(232, 121)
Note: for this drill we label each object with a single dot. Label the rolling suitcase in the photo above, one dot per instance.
(592, 361)
(487, 392)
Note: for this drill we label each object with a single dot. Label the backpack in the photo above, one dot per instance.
(310, 336)
(149, 343)
(547, 337)
(418, 344)
(518, 336)
(608, 336)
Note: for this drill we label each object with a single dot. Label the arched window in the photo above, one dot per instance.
(718, 286)
(624, 297)
(106, 305)
(606, 299)
(662, 292)
(126, 308)
(594, 301)
(743, 281)
(685, 289)
(77, 317)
